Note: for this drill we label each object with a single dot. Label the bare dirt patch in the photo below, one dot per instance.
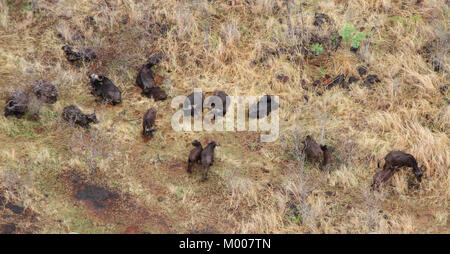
(105, 204)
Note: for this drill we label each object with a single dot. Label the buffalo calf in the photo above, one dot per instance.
(73, 115)
(148, 123)
(45, 91)
(157, 93)
(381, 177)
(195, 156)
(105, 88)
(207, 158)
(17, 104)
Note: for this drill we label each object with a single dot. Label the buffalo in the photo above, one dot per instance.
(17, 104)
(195, 156)
(157, 93)
(312, 150)
(207, 157)
(73, 115)
(146, 80)
(328, 157)
(222, 110)
(105, 88)
(193, 105)
(148, 123)
(381, 177)
(394, 160)
(45, 91)
(263, 107)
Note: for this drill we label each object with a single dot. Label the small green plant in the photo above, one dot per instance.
(414, 18)
(179, 192)
(334, 39)
(322, 71)
(317, 48)
(289, 155)
(214, 40)
(27, 6)
(396, 19)
(349, 33)
(252, 145)
(98, 159)
(296, 219)
(49, 115)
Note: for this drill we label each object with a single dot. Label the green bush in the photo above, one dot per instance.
(349, 33)
(317, 48)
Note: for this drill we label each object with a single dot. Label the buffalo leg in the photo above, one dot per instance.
(205, 174)
(189, 167)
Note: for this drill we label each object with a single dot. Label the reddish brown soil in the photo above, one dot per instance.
(108, 206)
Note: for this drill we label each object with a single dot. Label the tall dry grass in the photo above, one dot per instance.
(212, 45)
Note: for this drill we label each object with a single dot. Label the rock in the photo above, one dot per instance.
(15, 208)
(362, 71)
(370, 80)
(329, 193)
(443, 89)
(282, 78)
(320, 18)
(354, 50)
(339, 80)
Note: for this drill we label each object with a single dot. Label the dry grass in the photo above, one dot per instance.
(212, 45)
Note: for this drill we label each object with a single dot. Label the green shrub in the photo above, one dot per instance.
(349, 33)
(317, 48)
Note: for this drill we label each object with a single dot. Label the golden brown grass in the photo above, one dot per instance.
(211, 45)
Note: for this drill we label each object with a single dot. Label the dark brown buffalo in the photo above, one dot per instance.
(263, 107)
(312, 150)
(395, 160)
(328, 158)
(105, 89)
(195, 156)
(146, 79)
(73, 115)
(148, 123)
(157, 93)
(222, 109)
(45, 91)
(208, 158)
(17, 104)
(193, 105)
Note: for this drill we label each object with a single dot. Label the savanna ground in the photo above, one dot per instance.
(56, 178)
